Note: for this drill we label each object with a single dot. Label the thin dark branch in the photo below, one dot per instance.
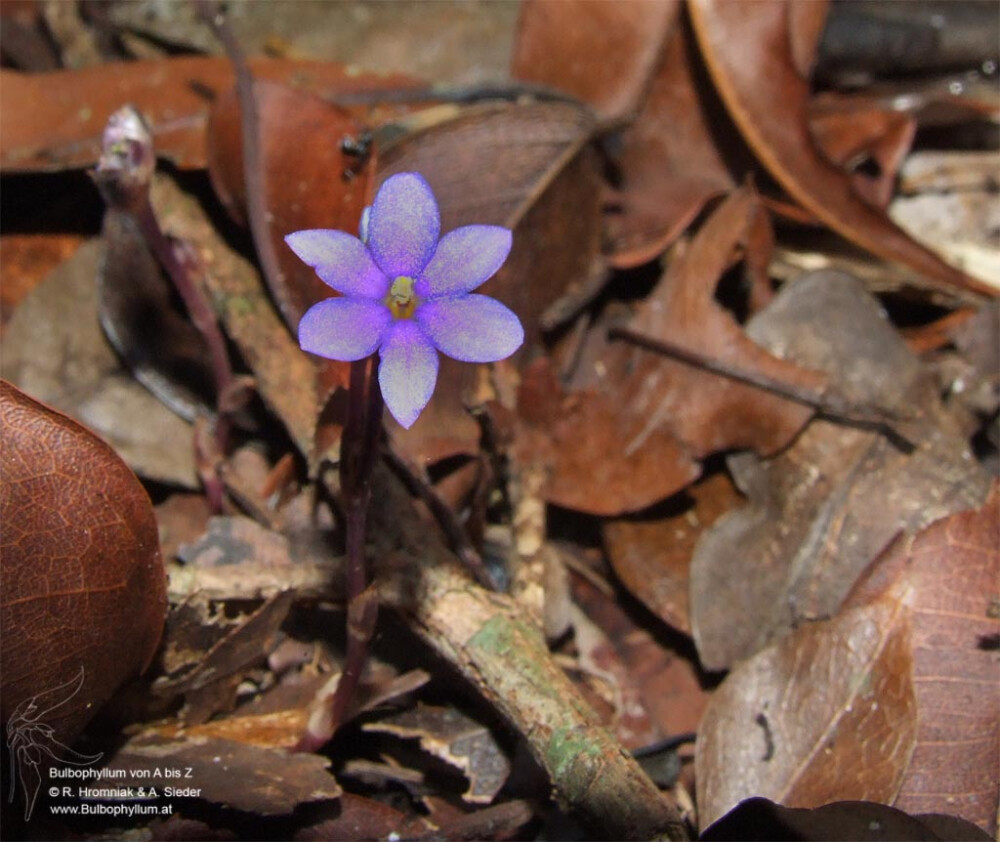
(828, 403)
(446, 518)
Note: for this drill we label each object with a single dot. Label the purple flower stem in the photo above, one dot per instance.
(181, 271)
(358, 449)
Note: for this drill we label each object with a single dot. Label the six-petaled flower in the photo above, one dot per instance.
(407, 294)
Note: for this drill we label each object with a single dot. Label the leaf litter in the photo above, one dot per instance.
(747, 527)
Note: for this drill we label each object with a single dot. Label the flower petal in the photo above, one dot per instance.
(404, 225)
(471, 328)
(407, 372)
(344, 328)
(465, 258)
(342, 261)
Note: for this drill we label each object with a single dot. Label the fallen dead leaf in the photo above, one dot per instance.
(827, 714)
(746, 47)
(263, 781)
(947, 574)
(55, 350)
(84, 587)
(651, 551)
(821, 510)
(621, 44)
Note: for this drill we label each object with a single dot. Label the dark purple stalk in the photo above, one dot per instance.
(124, 176)
(358, 450)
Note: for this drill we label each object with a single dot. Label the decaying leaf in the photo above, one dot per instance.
(823, 509)
(84, 591)
(457, 739)
(62, 115)
(635, 437)
(206, 653)
(54, 349)
(660, 677)
(243, 777)
(842, 821)
(827, 714)
(767, 96)
(651, 551)
(948, 575)
(672, 159)
(621, 43)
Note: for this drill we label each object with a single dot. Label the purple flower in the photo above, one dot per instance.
(406, 294)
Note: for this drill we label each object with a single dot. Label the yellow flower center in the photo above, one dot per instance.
(401, 300)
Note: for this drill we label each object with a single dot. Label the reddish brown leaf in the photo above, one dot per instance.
(61, 115)
(821, 510)
(456, 739)
(245, 777)
(828, 714)
(362, 819)
(600, 51)
(71, 367)
(27, 259)
(582, 440)
(308, 180)
(635, 437)
(664, 681)
(670, 161)
(948, 575)
(651, 551)
(83, 584)
(747, 48)
(849, 134)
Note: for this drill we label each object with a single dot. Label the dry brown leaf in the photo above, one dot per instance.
(948, 575)
(264, 781)
(61, 115)
(70, 365)
(747, 49)
(662, 679)
(828, 714)
(651, 551)
(671, 164)
(600, 51)
(309, 181)
(636, 437)
(84, 590)
(457, 739)
(821, 510)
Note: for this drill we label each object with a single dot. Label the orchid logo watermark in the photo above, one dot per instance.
(405, 292)
(30, 740)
